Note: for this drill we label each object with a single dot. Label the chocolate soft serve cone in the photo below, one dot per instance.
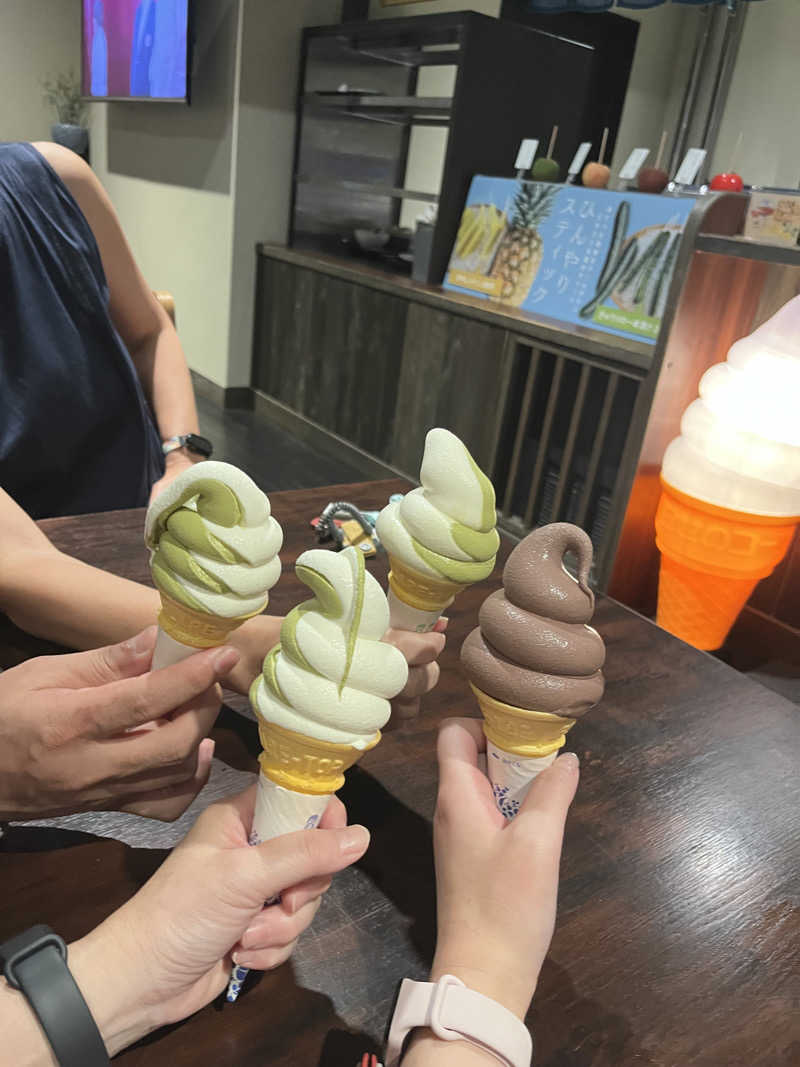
(533, 662)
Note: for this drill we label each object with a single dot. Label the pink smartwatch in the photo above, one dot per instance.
(455, 1013)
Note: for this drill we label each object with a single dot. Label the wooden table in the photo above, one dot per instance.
(678, 932)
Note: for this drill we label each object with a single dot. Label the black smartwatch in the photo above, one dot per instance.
(36, 964)
(193, 441)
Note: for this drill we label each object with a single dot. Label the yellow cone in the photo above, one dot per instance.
(304, 764)
(197, 629)
(419, 590)
(520, 731)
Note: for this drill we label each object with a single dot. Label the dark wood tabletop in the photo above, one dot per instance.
(678, 935)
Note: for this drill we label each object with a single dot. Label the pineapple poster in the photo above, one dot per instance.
(590, 257)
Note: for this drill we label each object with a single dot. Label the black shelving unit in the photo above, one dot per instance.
(362, 91)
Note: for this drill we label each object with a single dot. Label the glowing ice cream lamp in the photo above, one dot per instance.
(730, 498)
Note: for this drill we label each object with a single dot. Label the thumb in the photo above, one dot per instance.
(552, 792)
(284, 861)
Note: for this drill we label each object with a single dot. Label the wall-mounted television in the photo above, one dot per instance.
(136, 50)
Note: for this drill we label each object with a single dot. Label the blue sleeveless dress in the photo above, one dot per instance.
(76, 431)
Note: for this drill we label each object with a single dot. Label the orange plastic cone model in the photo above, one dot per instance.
(711, 561)
(730, 499)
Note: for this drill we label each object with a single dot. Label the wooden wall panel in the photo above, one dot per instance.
(454, 374)
(330, 350)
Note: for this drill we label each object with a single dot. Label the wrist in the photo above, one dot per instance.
(102, 969)
(181, 457)
(496, 978)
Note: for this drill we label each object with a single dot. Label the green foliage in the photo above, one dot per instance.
(63, 93)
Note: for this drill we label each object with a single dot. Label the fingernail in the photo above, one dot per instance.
(236, 957)
(569, 761)
(442, 625)
(141, 643)
(353, 839)
(225, 659)
(251, 929)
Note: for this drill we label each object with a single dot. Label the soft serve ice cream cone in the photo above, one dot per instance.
(322, 696)
(533, 662)
(441, 537)
(213, 556)
(731, 484)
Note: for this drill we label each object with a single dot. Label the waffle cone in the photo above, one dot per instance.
(521, 731)
(712, 558)
(419, 590)
(197, 629)
(304, 764)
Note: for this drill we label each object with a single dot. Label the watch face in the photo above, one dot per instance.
(196, 443)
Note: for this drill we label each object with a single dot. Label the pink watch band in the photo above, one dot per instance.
(455, 1013)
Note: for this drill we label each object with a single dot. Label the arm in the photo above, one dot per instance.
(166, 953)
(56, 597)
(143, 324)
(495, 936)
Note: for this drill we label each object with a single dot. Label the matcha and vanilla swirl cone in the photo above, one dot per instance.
(445, 529)
(213, 542)
(331, 677)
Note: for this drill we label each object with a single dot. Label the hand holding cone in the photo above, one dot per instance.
(533, 662)
(213, 555)
(322, 696)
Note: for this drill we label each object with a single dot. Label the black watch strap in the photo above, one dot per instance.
(35, 962)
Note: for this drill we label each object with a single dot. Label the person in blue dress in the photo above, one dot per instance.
(92, 375)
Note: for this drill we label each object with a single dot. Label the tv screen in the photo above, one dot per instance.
(135, 49)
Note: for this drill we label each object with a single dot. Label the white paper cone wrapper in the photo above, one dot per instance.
(511, 776)
(403, 617)
(169, 651)
(278, 811)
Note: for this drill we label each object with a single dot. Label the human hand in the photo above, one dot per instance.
(73, 736)
(167, 952)
(496, 881)
(252, 640)
(421, 652)
(175, 462)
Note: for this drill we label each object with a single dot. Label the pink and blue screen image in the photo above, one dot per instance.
(135, 48)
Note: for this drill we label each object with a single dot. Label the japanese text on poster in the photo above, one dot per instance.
(585, 256)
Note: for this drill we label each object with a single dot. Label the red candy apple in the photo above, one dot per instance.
(727, 183)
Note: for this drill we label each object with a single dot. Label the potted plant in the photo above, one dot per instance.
(63, 92)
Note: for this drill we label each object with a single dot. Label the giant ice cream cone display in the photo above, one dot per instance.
(441, 537)
(730, 498)
(322, 696)
(533, 662)
(213, 555)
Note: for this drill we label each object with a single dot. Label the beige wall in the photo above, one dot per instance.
(196, 188)
(37, 38)
(167, 169)
(763, 98)
(659, 63)
(262, 167)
